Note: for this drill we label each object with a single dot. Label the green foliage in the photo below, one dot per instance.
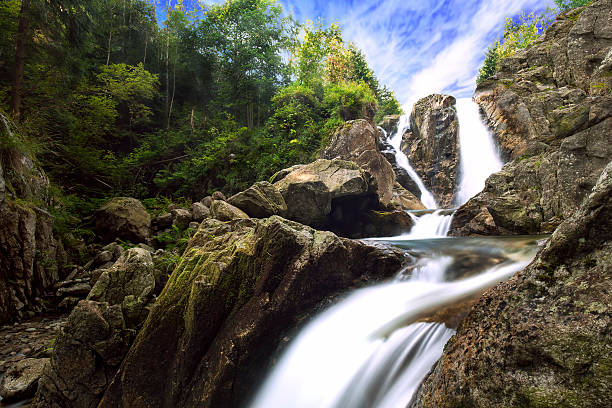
(521, 32)
(489, 66)
(350, 100)
(564, 5)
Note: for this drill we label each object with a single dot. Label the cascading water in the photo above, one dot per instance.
(371, 350)
(402, 160)
(478, 156)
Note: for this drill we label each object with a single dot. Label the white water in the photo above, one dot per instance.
(370, 351)
(402, 160)
(477, 152)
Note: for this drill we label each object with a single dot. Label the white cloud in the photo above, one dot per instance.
(420, 47)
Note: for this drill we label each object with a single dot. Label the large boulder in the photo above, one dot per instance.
(552, 121)
(432, 145)
(541, 339)
(312, 191)
(20, 381)
(358, 141)
(261, 200)
(123, 217)
(389, 123)
(240, 286)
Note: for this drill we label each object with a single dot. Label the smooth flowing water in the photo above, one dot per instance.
(373, 349)
(478, 156)
(402, 160)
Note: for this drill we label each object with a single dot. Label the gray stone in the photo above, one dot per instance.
(224, 211)
(20, 381)
(181, 217)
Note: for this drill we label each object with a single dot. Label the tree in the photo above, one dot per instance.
(489, 66)
(564, 5)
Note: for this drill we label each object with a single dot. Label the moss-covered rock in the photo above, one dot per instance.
(239, 285)
(125, 218)
(541, 339)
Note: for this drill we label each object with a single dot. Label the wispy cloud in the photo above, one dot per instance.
(418, 47)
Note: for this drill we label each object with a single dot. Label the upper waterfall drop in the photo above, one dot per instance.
(478, 156)
(395, 140)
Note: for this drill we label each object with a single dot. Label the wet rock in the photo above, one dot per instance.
(432, 146)
(123, 217)
(542, 338)
(200, 211)
(224, 211)
(20, 381)
(247, 281)
(261, 200)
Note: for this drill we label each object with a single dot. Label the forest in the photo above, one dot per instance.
(112, 101)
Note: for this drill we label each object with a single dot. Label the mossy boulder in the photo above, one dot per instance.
(541, 339)
(224, 211)
(240, 284)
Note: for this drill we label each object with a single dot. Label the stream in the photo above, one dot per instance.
(373, 349)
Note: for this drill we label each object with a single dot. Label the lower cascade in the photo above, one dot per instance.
(374, 348)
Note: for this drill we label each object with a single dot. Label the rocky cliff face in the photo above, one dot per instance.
(543, 338)
(29, 253)
(239, 286)
(550, 107)
(432, 145)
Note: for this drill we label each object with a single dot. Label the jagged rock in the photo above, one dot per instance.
(389, 123)
(103, 257)
(357, 141)
(20, 381)
(200, 211)
(261, 200)
(559, 86)
(181, 217)
(432, 146)
(313, 192)
(115, 249)
(224, 211)
(547, 121)
(131, 276)
(85, 357)
(542, 338)
(123, 217)
(76, 290)
(240, 285)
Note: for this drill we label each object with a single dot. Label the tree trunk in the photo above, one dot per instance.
(144, 60)
(23, 30)
(167, 69)
(173, 89)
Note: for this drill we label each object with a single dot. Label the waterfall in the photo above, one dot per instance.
(372, 350)
(402, 160)
(478, 156)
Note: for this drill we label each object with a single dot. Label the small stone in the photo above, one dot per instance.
(217, 195)
(30, 329)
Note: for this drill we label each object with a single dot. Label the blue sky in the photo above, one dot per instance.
(418, 47)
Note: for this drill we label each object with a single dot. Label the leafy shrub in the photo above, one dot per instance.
(350, 100)
(564, 5)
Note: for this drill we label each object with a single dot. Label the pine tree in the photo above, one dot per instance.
(489, 66)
